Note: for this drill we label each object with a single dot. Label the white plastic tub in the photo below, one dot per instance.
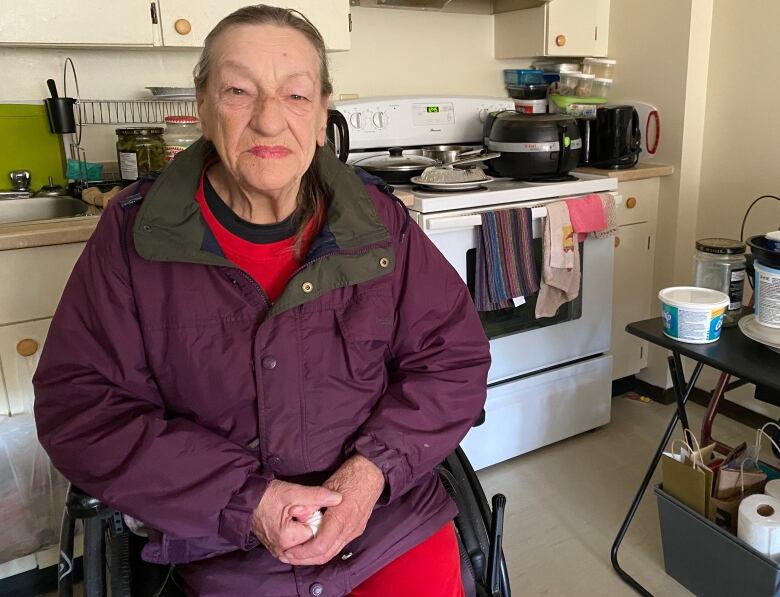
(531, 106)
(601, 87)
(767, 295)
(693, 315)
(600, 67)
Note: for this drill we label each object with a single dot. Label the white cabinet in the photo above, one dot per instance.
(185, 24)
(558, 28)
(147, 23)
(76, 22)
(632, 298)
(20, 349)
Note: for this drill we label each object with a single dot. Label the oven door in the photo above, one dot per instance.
(520, 343)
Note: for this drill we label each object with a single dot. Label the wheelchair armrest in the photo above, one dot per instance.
(83, 505)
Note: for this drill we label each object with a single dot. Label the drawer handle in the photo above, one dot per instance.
(27, 347)
(617, 242)
(631, 202)
(560, 40)
(182, 26)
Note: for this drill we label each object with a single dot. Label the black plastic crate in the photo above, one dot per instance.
(708, 560)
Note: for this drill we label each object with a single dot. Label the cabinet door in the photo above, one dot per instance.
(577, 27)
(632, 296)
(77, 22)
(185, 23)
(20, 349)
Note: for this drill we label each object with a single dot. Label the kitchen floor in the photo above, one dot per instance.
(566, 502)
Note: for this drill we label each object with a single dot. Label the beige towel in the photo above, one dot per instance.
(608, 201)
(560, 262)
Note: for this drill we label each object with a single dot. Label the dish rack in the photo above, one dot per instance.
(127, 112)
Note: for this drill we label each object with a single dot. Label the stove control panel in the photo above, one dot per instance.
(408, 121)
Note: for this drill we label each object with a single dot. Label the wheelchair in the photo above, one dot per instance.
(112, 564)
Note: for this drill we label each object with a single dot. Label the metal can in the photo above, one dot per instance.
(719, 264)
(140, 150)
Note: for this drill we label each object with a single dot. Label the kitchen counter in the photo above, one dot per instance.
(640, 171)
(22, 235)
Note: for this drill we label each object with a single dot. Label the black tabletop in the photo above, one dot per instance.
(733, 353)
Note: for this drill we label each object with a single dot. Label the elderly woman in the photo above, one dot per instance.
(259, 335)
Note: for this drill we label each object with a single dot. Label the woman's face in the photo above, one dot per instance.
(262, 107)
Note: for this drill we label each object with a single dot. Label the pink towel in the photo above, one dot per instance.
(608, 201)
(586, 215)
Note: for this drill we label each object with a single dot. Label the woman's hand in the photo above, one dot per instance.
(274, 521)
(360, 483)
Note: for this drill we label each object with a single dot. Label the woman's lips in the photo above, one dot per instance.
(270, 151)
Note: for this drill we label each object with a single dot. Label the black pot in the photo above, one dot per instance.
(396, 167)
(532, 146)
(762, 253)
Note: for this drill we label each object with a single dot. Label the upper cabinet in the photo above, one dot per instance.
(185, 23)
(77, 23)
(147, 23)
(558, 28)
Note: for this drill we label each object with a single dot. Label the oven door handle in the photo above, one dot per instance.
(470, 221)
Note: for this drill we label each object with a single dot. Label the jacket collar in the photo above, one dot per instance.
(169, 227)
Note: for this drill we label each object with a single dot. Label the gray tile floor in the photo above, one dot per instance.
(566, 502)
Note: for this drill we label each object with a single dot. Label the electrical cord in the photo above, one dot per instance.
(744, 219)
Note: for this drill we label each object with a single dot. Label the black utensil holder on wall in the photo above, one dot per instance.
(62, 118)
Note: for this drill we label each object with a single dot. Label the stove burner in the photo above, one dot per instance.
(422, 189)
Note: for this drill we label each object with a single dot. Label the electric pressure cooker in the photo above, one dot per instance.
(532, 146)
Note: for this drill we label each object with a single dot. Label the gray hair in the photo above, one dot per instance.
(261, 14)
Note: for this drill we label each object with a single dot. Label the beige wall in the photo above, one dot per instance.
(740, 159)
(393, 52)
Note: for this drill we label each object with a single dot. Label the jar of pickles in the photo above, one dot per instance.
(140, 150)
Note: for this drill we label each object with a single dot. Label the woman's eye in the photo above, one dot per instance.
(235, 91)
(297, 97)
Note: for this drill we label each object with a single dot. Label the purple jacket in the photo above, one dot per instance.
(173, 390)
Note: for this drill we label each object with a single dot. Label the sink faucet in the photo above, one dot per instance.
(20, 181)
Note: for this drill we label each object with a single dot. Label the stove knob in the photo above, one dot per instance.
(380, 120)
(483, 114)
(356, 120)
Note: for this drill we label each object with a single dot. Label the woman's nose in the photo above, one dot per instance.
(268, 117)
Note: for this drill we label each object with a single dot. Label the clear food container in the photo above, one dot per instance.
(575, 84)
(523, 76)
(602, 68)
(563, 65)
(601, 87)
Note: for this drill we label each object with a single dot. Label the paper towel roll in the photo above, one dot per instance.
(773, 488)
(758, 524)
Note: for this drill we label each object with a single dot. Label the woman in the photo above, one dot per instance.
(259, 335)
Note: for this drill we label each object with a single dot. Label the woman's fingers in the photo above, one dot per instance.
(334, 533)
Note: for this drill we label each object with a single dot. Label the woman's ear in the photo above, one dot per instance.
(203, 120)
(322, 126)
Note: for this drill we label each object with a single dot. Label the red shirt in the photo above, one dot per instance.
(271, 264)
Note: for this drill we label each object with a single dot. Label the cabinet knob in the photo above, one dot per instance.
(27, 347)
(182, 26)
(631, 202)
(560, 40)
(617, 242)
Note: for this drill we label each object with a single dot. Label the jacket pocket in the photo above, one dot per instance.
(369, 320)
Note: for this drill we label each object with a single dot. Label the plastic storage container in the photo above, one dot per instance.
(531, 106)
(693, 315)
(767, 285)
(139, 151)
(708, 560)
(575, 84)
(180, 133)
(523, 76)
(601, 87)
(528, 92)
(599, 67)
(719, 264)
(551, 65)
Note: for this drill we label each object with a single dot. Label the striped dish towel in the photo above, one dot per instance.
(505, 266)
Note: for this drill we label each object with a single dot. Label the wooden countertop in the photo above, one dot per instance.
(22, 235)
(638, 172)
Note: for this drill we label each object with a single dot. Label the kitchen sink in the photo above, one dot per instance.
(40, 208)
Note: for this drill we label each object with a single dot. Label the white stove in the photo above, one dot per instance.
(549, 378)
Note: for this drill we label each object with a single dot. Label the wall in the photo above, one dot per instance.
(739, 161)
(393, 52)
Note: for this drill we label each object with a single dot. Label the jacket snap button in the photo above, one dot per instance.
(316, 589)
(307, 287)
(274, 461)
(269, 362)
(147, 228)
(384, 262)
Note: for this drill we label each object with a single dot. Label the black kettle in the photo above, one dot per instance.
(337, 132)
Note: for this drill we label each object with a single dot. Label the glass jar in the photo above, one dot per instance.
(719, 264)
(139, 151)
(180, 133)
